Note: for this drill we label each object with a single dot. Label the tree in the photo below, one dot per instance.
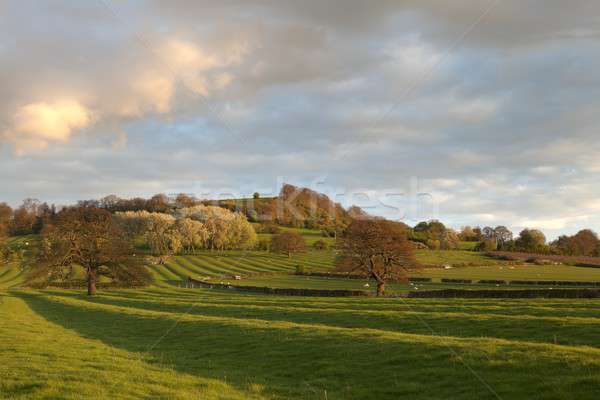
(376, 248)
(88, 237)
(24, 218)
(531, 240)
(256, 196)
(450, 240)
(184, 200)
(468, 234)
(488, 233)
(5, 219)
(586, 243)
(288, 243)
(4, 250)
(161, 235)
(193, 234)
(159, 203)
(502, 235)
(226, 229)
(564, 245)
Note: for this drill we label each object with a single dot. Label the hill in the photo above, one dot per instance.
(294, 207)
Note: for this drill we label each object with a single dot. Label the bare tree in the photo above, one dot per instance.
(378, 249)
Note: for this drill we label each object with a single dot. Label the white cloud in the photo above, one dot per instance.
(36, 125)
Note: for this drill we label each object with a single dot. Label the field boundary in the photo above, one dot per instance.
(194, 283)
(509, 294)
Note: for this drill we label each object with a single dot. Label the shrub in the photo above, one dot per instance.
(269, 228)
(321, 245)
(264, 245)
(433, 244)
(487, 245)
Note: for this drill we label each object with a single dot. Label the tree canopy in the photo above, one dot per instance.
(377, 249)
(90, 238)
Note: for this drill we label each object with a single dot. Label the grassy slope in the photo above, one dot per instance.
(184, 344)
(226, 345)
(12, 273)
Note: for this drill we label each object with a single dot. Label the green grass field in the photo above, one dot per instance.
(196, 343)
(167, 342)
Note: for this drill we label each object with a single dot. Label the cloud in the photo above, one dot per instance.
(501, 124)
(127, 90)
(37, 125)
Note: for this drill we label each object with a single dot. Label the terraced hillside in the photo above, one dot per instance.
(227, 264)
(195, 343)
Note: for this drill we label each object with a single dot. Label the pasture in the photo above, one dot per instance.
(196, 343)
(170, 342)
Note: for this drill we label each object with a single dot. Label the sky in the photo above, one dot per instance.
(471, 112)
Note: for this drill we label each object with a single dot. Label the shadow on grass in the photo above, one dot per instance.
(288, 362)
(474, 324)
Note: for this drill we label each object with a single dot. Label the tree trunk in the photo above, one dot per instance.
(380, 288)
(91, 282)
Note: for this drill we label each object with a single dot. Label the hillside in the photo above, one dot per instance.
(294, 207)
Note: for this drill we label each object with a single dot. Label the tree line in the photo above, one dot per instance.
(583, 243)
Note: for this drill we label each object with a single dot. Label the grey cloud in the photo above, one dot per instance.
(365, 94)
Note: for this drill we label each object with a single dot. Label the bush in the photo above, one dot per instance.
(320, 245)
(466, 281)
(269, 228)
(433, 244)
(300, 269)
(487, 245)
(263, 245)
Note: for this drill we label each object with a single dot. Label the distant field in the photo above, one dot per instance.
(310, 235)
(456, 257)
(569, 260)
(518, 272)
(202, 344)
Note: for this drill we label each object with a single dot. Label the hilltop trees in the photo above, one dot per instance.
(288, 243)
(376, 248)
(88, 237)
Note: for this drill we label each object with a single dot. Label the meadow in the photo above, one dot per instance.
(197, 343)
(169, 342)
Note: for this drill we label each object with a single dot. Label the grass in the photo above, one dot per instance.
(167, 342)
(518, 272)
(226, 264)
(184, 344)
(456, 258)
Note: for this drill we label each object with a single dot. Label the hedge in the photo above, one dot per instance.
(279, 291)
(555, 283)
(82, 284)
(456, 280)
(513, 294)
